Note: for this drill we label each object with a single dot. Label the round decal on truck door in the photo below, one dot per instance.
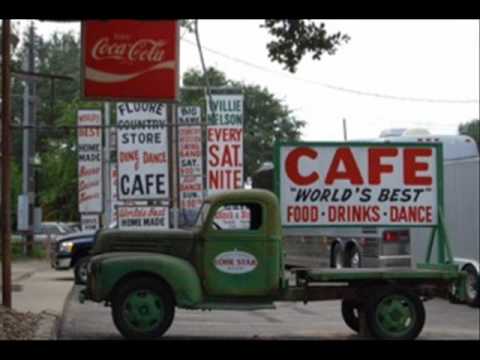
(235, 262)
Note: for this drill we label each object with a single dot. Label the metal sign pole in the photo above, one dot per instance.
(6, 154)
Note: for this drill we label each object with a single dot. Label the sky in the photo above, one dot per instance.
(416, 59)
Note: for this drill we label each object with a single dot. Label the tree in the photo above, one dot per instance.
(293, 39)
(266, 118)
(471, 128)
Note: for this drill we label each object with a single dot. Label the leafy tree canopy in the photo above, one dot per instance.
(266, 118)
(471, 128)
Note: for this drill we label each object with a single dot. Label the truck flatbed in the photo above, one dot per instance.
(347, 275)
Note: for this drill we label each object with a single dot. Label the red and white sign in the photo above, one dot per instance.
(142, 151)
(89, 149)
(190, 158)
(129, 60)
(353, 184)
(224, 143)
(143, 217)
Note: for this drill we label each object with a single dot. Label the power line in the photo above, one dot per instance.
(334, 87)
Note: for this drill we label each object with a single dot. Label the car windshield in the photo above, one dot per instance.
(202, 214)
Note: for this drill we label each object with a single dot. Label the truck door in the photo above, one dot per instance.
(234, 251)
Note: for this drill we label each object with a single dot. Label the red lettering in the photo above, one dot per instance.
(375, 167)
(291, 166)
(352, 173)
(411, 166)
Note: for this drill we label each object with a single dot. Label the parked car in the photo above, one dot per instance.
(72, 251)
(50, 231)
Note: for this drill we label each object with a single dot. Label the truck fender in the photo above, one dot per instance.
(177, 273)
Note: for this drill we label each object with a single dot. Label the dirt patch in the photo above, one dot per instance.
(16, 325)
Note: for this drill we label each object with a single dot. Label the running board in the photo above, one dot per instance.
(235, 306)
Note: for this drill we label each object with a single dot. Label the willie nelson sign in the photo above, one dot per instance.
(130, 60)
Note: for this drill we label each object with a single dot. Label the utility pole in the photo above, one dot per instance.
(5, 208)
(107, 198)
(29, 122)
(345, 129)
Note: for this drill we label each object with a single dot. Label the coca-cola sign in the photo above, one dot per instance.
(130, 60)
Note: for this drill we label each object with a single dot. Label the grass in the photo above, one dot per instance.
(39, 251)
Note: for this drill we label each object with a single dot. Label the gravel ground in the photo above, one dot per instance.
(16, 325)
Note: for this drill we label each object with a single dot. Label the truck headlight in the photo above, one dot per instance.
(66, 246)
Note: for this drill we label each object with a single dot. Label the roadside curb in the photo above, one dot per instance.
(47, 327)
(62, 317)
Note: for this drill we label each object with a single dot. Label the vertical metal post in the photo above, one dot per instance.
(174, 166)
(5, 208)
(107, 198)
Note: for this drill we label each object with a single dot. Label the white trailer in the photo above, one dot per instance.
(461, 205)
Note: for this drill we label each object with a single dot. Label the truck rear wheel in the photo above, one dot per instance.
(395, 314)
(143, 308)
(472, 284)
(350, 314)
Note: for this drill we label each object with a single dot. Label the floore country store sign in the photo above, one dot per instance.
(89, 149)
(142, 151)
(190, 159)
(128, 60)
(224, 143)
(358, 184)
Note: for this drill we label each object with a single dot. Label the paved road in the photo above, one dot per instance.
(293, 321)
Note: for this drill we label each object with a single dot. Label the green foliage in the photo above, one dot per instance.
(266, 118)
(294, 38)
(471, 128)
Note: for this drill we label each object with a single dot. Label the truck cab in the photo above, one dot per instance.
(203, 265)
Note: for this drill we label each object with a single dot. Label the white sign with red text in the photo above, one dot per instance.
(143, 217)
(225, 150)
(358, 184)
(142, 151)
(89, 149)
(190, 159)
(224, 143)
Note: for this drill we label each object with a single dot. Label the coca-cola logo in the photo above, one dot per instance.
(144, 50)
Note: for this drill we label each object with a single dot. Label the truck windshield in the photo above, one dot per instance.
(202, 214)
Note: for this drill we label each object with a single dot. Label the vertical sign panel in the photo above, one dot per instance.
(130, 60)
(89, 161)
(224, 143)
(142, 151)
(225, 152)
(190, 161)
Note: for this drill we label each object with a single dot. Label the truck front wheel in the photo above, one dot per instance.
(143, 308)
(350, 314)
(395, 314)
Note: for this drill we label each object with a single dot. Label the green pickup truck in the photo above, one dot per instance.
(145, 275)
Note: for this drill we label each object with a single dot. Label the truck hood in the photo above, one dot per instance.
(172, 242)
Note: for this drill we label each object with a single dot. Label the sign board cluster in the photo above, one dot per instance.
(358, 184)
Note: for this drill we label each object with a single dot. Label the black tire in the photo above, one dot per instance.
(337, 257)
(151, 317)
(350, 314)
(395, 314)
(80, 270)
(354, 258)
(472, 291)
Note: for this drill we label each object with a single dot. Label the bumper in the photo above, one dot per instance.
(62, 262)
